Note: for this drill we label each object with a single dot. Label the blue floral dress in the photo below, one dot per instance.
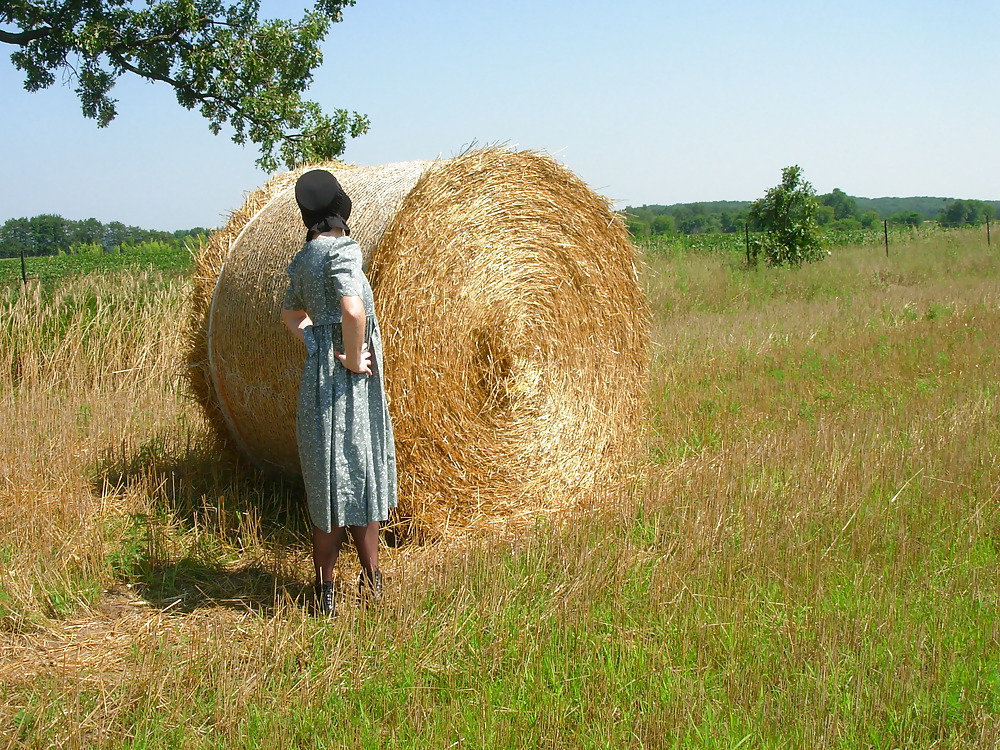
(343, 429)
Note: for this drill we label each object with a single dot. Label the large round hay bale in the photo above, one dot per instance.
(516, 334)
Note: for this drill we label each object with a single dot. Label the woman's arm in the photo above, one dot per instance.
(296, 321)
(356, 356)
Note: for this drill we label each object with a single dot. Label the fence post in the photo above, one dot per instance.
(987, 231)
(885, 229)
(24, 271)
(746, 234)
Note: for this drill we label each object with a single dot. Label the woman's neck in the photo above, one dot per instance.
(335, 234)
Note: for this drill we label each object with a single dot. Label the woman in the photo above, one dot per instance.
(343, 428)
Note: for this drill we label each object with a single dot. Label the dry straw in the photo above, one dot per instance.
(516, 333)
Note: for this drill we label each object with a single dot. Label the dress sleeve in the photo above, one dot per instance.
(343, 272)
(293, 299)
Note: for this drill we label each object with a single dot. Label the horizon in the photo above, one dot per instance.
(819, 195)
(617, 209)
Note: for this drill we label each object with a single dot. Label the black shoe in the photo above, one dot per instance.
(370, 587)
(325, 605)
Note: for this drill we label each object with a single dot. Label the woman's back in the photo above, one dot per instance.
(321, 273)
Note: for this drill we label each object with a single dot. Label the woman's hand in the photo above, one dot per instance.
(361, 365)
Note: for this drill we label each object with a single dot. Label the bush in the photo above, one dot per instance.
(786, 216)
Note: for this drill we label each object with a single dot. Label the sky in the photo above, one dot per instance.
(648, 101)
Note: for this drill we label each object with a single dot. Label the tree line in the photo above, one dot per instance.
(835, 211)
(51, 234)
(789, 225)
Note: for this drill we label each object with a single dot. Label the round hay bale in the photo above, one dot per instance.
(516, 334)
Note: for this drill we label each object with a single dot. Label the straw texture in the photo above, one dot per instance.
(515, 331)
(244, 367)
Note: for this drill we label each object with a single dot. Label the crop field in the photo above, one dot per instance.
(810, 558)
(52, 268)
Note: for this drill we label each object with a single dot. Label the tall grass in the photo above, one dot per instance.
(810, 560)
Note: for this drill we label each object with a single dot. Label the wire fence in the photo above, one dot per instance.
(883, 237)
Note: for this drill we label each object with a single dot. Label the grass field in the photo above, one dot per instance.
(810, 560)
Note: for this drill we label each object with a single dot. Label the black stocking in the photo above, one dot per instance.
(366, 540)
(326, 549)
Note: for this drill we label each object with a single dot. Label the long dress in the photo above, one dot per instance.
(343, 428)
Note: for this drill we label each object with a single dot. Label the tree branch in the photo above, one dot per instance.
(116, 57)
(23, 38)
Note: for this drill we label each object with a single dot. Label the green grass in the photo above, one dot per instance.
(510, 655)
(49, 269)
(810, 558)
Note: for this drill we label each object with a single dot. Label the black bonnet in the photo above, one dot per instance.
(322, 201)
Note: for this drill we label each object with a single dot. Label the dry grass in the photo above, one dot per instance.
(87, 370)
(810, 560)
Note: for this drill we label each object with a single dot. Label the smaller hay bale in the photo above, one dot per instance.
(516, 333)
(243, 366)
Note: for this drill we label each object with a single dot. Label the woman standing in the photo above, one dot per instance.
(343, 428)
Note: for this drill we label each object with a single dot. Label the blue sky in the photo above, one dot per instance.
(647, 101)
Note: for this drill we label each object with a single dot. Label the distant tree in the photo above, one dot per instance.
(637, 227)
(786, 216)
(684, 216)
(115, 234)
(644, 214)
(49, 234)
(927, 207)
(846, 225)
(16, 238)
(730, 222)
(906, 218)
(86, 232)
(825, 215)
(869, 219)
(953, 214)
(695, 218)
(180, 234)
(843, 205)
(965, 213)
(663, 224)
(239, 70)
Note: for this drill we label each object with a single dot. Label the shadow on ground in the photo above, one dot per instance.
(185, 586)
(208, 529)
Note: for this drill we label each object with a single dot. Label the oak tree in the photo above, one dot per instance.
(238, 69)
